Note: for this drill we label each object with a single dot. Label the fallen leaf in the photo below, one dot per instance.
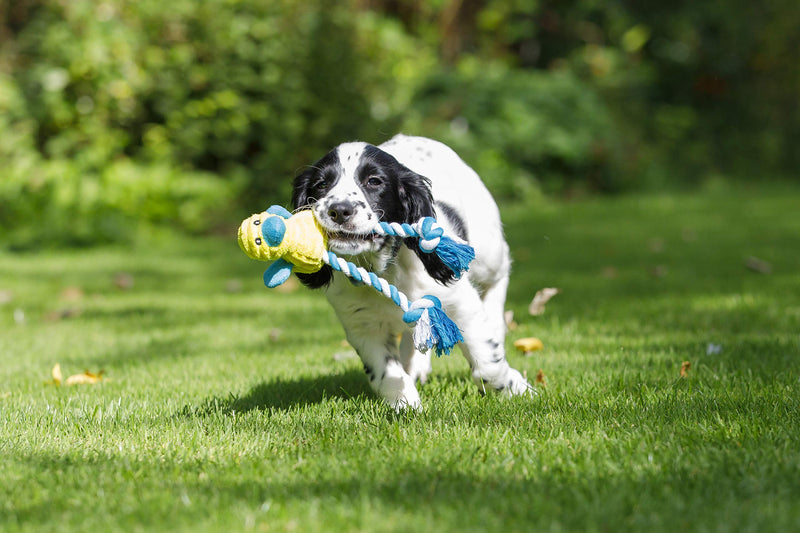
(609, 272)
(233, 285)
(656, 245)
(543, 296)
(72, 294)
(658, 271)
(6, 296)
(540, 378)
(527, 345)
(56, 375)
(123, 281)
(508, 316)
(290, 285)
(87, 378)
(61, 314)
(758, 265)
(685, 366)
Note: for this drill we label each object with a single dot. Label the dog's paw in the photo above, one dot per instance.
(516, 384)
(401, 394)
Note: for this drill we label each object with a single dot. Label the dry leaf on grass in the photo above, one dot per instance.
(609, 272)
(543, 296)
(233, 286)
(123, 281)
(87, 378)
(685, 366)
(509, 318)
(72, 294)
(758, 265)
(6, 296)
(527, 345)
(56, 373)
(62, 314)
(540, 378)
(289, 286)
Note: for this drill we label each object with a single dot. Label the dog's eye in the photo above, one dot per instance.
(321, 184)
(374, 181)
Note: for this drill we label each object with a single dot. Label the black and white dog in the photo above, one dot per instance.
(356, 185)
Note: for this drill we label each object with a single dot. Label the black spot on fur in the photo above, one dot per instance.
(454, 218)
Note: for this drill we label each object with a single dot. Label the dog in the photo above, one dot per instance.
(355, 186)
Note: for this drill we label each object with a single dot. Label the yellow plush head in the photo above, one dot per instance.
(276, 234)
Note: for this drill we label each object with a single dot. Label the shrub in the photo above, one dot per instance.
(521, 129)
(128, 111)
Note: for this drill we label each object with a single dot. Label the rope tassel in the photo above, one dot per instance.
(433, 329)
(454, 253)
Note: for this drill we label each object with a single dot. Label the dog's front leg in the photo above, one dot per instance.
(385, 371)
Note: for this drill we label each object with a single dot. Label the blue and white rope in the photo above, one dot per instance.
(432, 327)
(427, 229)
(454, 253)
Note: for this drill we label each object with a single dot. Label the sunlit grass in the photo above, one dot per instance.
(224, 407)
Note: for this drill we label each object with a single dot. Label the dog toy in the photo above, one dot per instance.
(298, 243)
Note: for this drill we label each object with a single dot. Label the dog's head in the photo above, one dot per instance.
(354, 187)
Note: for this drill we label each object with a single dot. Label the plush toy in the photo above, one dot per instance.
(298, 243)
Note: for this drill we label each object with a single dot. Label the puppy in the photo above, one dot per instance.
(356, 185)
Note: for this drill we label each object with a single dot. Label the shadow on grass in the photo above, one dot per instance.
(286, 394)
(758, 496)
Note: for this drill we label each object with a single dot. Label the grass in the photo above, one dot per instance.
(224, 408)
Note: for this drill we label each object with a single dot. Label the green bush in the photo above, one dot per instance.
(521, 130)
(130, 111)
(60, 200)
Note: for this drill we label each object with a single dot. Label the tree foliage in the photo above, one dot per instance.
(115, 112)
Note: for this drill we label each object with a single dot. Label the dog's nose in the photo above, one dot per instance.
(340, 212)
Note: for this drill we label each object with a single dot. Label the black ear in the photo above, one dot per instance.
(300, 190)
(414, 192)
(301, 199)
(318, 279)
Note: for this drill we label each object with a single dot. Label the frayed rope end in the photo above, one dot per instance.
(455, 255)
(433, 328)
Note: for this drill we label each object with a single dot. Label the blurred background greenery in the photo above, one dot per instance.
(119, 115)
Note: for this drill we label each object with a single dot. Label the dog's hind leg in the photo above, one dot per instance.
(484, 345)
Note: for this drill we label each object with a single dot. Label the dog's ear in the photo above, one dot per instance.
(318, 279)
(301, 186)
(415, 196)
(300, 200)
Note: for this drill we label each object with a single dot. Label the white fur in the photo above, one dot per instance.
(475, 302)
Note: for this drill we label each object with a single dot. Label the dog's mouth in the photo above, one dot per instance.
(347, 243)
(354, 237)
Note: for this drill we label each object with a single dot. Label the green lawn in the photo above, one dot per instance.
(224, 408)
